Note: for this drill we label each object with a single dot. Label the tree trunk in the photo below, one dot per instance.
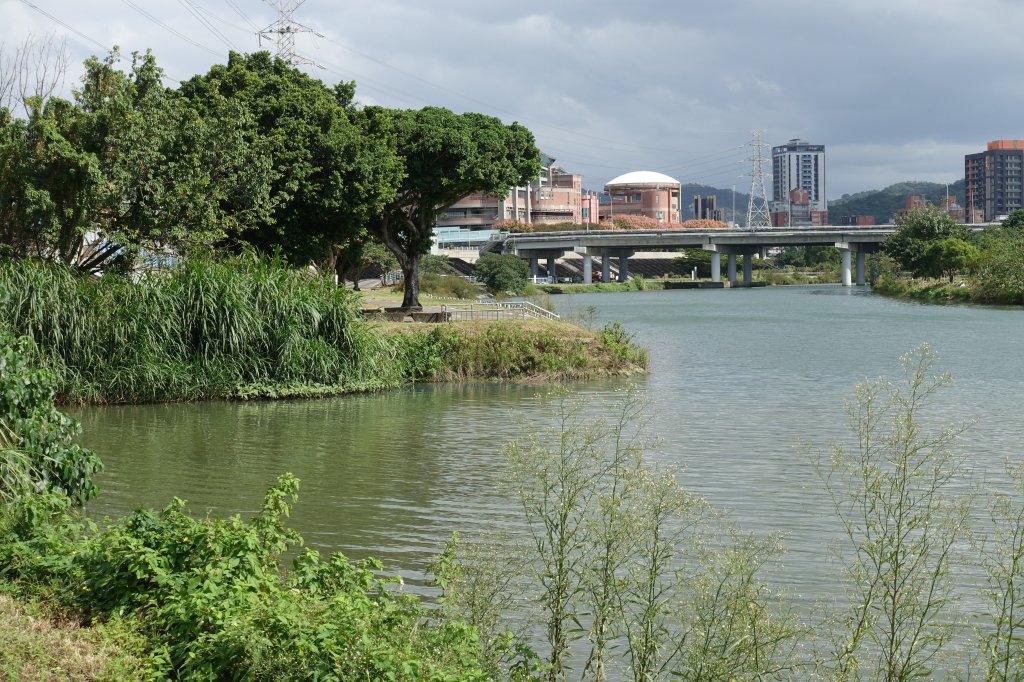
(411, 272)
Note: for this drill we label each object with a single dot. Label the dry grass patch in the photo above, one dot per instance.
(39, 646)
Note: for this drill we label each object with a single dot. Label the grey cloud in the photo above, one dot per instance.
(895, 89)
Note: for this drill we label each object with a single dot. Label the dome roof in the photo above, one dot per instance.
(643, 179)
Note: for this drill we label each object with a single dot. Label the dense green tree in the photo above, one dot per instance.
(1014, 222)
(809, 256)
(501, 273)
(330, 173)
(129, 166)
(692, 258)
(174, 176)
(1000, 267)
(444, 157)
(50, 189)
(915, 231)
(947, 257)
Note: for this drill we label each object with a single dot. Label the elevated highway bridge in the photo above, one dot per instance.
(854, 243)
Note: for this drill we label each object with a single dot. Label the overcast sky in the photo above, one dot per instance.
(895, 89)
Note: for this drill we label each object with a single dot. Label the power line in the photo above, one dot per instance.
(68, 26)
(197, 12)
(164, 26)
(243, 15)
(106, 48)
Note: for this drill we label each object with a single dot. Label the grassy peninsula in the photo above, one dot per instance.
(252, 327)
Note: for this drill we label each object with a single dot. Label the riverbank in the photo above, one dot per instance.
(942, 291)
(252, 328)
(931, 291)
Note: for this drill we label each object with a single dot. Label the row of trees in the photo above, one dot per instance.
(929, 243)
(254, 152)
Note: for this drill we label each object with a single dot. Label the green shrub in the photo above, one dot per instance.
(619, 343)
(37, 448)
(213, 602)
(448, 286)
(503, 273)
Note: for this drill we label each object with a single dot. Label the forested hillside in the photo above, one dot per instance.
(883, 203)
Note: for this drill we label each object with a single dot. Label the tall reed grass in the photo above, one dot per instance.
(209, 328)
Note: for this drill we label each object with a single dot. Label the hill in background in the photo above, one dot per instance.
(884, 203)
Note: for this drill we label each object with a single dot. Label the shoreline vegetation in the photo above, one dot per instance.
(247, 327)
(931, 257)
(160, 594)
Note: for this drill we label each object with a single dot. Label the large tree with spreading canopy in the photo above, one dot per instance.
(329, 173)
(445, 156)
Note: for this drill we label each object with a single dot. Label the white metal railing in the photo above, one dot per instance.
(496, 310)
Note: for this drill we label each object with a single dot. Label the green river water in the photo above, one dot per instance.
(739, 380)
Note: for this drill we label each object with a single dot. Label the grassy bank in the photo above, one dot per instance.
(39, 644)
(933, 291)
(941, 291)
(209, 328)
(250, 328)
(517, 349)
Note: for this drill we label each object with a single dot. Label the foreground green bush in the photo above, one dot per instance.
(37, 448)
(212, 600)
(208, 328)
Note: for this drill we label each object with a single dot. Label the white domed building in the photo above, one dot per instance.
(644, 193)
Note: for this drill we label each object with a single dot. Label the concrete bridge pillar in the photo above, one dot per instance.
(552, 269)
(623, 268)
(748, 269)
(731, 267)
(534, 269)
(606, 267)
(716, 266)
(588, 268)
(861, 257)
(846, 267)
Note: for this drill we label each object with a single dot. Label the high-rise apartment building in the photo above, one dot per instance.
(994, 179)
(798, 165)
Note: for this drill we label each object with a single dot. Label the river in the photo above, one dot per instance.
(740, 380)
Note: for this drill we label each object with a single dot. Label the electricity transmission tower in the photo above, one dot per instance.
(283, 31)
(757, 208)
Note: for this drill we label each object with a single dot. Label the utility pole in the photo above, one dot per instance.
(283, 31)
(757, 208)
